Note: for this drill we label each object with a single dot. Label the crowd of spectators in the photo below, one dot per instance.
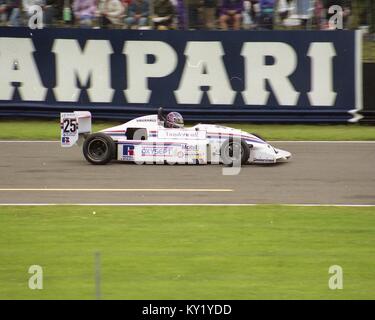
(177, 14)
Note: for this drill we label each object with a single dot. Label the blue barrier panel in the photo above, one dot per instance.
(259, 76)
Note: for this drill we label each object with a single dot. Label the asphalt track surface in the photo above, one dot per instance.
(319, 173)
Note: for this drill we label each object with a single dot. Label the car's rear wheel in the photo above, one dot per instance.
(234, 151)
(99, 148)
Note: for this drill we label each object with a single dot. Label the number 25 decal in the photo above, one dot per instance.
(70, 125)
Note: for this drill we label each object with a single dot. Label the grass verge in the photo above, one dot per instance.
(49, 130)
(369, 51)
(262, 252)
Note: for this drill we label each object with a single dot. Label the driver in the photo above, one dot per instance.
(174, 120)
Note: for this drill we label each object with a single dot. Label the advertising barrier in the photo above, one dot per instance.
(258, 76)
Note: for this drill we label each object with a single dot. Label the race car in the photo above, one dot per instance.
(160, 139)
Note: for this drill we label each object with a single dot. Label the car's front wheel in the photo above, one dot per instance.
(99, 148)
(234, 151)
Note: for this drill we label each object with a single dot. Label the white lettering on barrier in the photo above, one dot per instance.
(17, 65)
(138, 70)
(73, 63)
(277, 74)
(322, 93)
(204, 67)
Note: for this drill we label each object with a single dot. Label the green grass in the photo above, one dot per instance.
(49, 130)
(37, 129)
(369, 51)
(348, 132)
(262, 252)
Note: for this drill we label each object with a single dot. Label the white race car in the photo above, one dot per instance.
(146, 140)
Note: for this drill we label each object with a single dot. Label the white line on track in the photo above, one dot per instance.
(191, 204)
(353, 142)
(27, 141)
(271, 141)
(111, 190)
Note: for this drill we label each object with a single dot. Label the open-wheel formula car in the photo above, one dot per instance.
(158, 139)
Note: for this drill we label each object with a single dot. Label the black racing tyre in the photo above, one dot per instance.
(99, 148)
(232, 147)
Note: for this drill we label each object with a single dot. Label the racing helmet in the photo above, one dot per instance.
(174, 120)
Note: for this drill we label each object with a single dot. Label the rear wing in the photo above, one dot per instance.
(73, 125)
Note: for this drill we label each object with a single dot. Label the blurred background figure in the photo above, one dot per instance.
(231, 14)
(3, 12)
(126, 4)
(84, 12)
(318, 16)
(304, 11)
(10, 12)
(254, 12)
(193, 7)
(299, 13)
(111, 13)
(138, 14)
(250, 14)
(163, 14)
(209, 13)
(283, 9)
(181, 14)
(67, 16)
(266, 15)
(49, 13)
